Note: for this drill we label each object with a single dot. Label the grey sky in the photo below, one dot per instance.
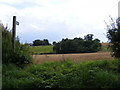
(57, 19)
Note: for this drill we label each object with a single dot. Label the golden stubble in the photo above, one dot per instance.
(38, 59)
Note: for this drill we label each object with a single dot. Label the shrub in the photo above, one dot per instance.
(113, 35)
(63, 74)
(18, 56)
(107, 79)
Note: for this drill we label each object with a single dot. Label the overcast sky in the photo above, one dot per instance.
(57, 19)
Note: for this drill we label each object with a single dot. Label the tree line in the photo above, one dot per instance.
(39, 42)
(88, 44)
(78, 45)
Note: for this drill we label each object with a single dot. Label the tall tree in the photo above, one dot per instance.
(37, 42)
(46, 42)
(54, 42)
(113, 35)
(40, 42)
(88, 37)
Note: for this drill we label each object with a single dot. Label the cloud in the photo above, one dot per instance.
(11, 1)
(57, 19)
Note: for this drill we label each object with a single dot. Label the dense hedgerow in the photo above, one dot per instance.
(18, 56)
(64, 74)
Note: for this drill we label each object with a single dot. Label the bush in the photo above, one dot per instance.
(21, 55)
(64, 74)
(106, 79)
(113, 35)
(18, 56)
(17, 78)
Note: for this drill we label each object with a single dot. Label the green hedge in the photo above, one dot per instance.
(19, 56)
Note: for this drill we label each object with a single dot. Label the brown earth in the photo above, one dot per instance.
(74, 57)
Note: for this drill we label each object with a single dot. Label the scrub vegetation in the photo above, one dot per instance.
(63, 74)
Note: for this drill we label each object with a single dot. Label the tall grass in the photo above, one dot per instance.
(63, 74)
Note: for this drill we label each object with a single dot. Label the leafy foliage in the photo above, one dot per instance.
(78, 45)
(63, 74)
(88, 37)
(18, 56)
(40, 42)
(113, 35)
(54, 42)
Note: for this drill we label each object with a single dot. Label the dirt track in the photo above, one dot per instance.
(74, 57)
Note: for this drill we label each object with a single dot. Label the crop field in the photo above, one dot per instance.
(103, 54)
(104, 47)
(74, 57)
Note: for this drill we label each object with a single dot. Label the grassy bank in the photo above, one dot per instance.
(63, 74)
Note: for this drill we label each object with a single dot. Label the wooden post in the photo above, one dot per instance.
(13, 32)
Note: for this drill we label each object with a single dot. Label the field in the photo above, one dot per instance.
(64, 71)
(74, 57)
(49, 49)
(104, 47)
(103, 54)
(41, 49)
(78, 70)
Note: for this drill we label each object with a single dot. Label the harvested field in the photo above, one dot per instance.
(74, 57)
(105, 44)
